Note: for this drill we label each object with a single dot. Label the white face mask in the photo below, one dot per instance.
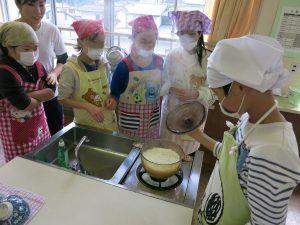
(94, 53)
(28, 58)
(145, 53)
(235, 115)
(187, 42)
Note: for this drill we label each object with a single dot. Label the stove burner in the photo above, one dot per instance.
(159, 184)
(158, 180)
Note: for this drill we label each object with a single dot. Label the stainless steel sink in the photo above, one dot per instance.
(96, 158)
(114, 160)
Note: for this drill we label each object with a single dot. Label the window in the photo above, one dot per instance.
(127, 10)
(67, 11)
(115, 15)
(12, 10)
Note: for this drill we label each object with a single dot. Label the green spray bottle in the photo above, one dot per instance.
(62, 154)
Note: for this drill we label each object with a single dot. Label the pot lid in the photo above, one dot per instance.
(186, 117)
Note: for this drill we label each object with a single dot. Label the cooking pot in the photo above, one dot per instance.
(160, 170)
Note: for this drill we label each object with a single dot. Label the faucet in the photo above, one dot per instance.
(84, 138)
(78, 166)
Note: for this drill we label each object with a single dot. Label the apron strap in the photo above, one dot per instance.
(259, 121)
(128, 63)
(40, 69)
(103, 77)
(76, 67)
(159, 62)
(13, 72)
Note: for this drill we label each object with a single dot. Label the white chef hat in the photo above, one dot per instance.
(255, 61)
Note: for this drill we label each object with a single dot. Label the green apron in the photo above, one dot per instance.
(93, 88)
(224, 202)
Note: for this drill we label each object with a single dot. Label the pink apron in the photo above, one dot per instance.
(140, 105)
(21, 131)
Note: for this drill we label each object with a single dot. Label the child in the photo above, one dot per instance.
(184, 71)
(136, 83)
(51, 46)
(84, 83)
(23, 89)
(258, 162)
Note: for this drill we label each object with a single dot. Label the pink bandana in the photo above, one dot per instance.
(143, 23)
(85, 28)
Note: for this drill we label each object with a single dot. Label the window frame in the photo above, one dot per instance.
(109, 22)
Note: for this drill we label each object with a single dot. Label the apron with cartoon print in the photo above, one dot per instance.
(22, 131)
(140, 104)
(94, 89)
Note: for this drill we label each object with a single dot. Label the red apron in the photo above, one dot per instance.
(140, 105)
(21, 131)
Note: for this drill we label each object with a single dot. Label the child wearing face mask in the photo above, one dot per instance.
(83, 83)
(23, 89)
(184, 71)
(136, 83)
(51, 49)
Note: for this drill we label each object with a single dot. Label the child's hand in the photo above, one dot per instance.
(42, 85)
(111, 103)
(184, 94)
(51, 78)
(95, 112)
(196, 134)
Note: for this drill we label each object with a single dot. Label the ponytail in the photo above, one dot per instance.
(200, 48)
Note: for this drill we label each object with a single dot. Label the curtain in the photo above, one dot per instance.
(232, 18)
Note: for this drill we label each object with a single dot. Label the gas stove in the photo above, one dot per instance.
(181, 188)
(159, 184)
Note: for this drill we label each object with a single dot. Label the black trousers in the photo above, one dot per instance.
(55, 115)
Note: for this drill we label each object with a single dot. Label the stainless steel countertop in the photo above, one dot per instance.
(125, 177)
(185, 194)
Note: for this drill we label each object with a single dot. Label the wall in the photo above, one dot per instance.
(264, 26)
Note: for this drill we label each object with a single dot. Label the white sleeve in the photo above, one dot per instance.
(59, 46)
(166, 83)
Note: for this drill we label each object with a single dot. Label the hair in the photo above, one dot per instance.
(4, 50)
(20, 3)
(92, 37)
(200, 48)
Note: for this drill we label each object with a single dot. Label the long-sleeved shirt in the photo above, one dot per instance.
(11, 88)
(183, 70)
